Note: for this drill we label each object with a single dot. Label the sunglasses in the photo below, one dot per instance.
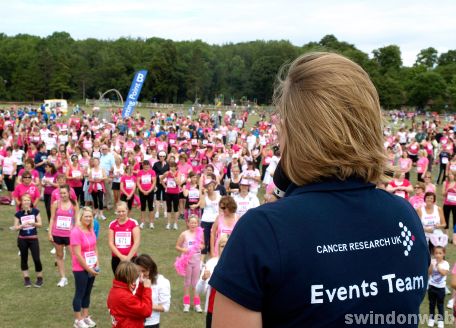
(26, 177)
(223, 208)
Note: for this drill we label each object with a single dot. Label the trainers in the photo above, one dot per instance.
(38, 283)
(103, 217)
(63, 282)
(175, 226)
(157, 214)
(431, 323)
(80, 324)
(168, 226)
(186, 307)
(151, 226)
(141, 226)
(89, 322)
(27, 282)
(450, 303)
(53, 251)
(198, 308)
(440, 324)
(13, 203)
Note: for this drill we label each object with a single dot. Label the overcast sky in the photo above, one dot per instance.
(412, 25)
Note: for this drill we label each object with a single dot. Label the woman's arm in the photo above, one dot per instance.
(77, 252)
(136, 242)
(179, 243)
(213, 232)
(229, 314)
(51, 221)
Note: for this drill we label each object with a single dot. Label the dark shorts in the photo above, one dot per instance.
(61, 240)
(115, 186)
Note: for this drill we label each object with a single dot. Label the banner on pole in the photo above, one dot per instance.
(133, 94)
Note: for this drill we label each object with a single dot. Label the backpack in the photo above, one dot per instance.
(5, 200)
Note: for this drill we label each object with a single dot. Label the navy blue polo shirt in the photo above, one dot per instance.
(324, 253)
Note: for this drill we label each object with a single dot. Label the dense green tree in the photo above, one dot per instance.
(34, 68)
(427, 57)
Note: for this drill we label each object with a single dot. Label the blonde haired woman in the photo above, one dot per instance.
(331, 142)
(84, 258)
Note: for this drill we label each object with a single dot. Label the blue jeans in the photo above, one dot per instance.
(83, 283)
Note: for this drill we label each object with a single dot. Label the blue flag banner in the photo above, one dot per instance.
(133, 94)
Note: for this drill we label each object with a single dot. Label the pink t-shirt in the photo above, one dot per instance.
(63, 221)
(422, 164)
(88, 242)
(450, 198)
(145, 179)
(22, 189)
(171, 183)
(123, 235)
(417, 201)
(128, 182)
(404, 163)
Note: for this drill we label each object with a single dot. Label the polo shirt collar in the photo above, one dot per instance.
(330, 184)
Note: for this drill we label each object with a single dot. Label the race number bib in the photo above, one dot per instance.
(451, 197)
(400, 193)
(91, 259)
(146, 179)
(193, 195)
(28, 219)
(123, 239)
(76, 174)
(130, 184)
(444, 160)
(63, 222)
(171, 183)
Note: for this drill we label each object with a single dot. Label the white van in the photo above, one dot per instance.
(56, 105)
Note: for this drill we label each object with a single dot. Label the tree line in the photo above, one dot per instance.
(33, 68)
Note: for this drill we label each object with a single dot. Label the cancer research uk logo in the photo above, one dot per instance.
(408, 238)
(405, 239)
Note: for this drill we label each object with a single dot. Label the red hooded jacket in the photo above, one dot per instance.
(128, 310)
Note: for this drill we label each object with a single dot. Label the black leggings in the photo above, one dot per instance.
(9, 182)
(442, 171)
(79, 195)
(83, 283)
(115, 261)
(24, 245)
(98, 199)
(172, 200)
(129, 202)
(160, 193)
(436, 296)
(447, 210)
(47, 204)
(207, 226)
(263, 171)
(147, 199)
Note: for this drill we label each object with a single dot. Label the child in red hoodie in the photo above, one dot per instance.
(129, 309)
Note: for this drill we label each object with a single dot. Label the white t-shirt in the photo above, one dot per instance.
(211, 209)
(161, 294)
(245, 203)
(18, 156)
(436, 279)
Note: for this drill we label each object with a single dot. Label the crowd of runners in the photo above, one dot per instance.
(204, 172)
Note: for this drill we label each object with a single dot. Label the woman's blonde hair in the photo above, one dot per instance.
(330, 120)
(81, 213)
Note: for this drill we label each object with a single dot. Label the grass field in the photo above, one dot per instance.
(51, 306)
